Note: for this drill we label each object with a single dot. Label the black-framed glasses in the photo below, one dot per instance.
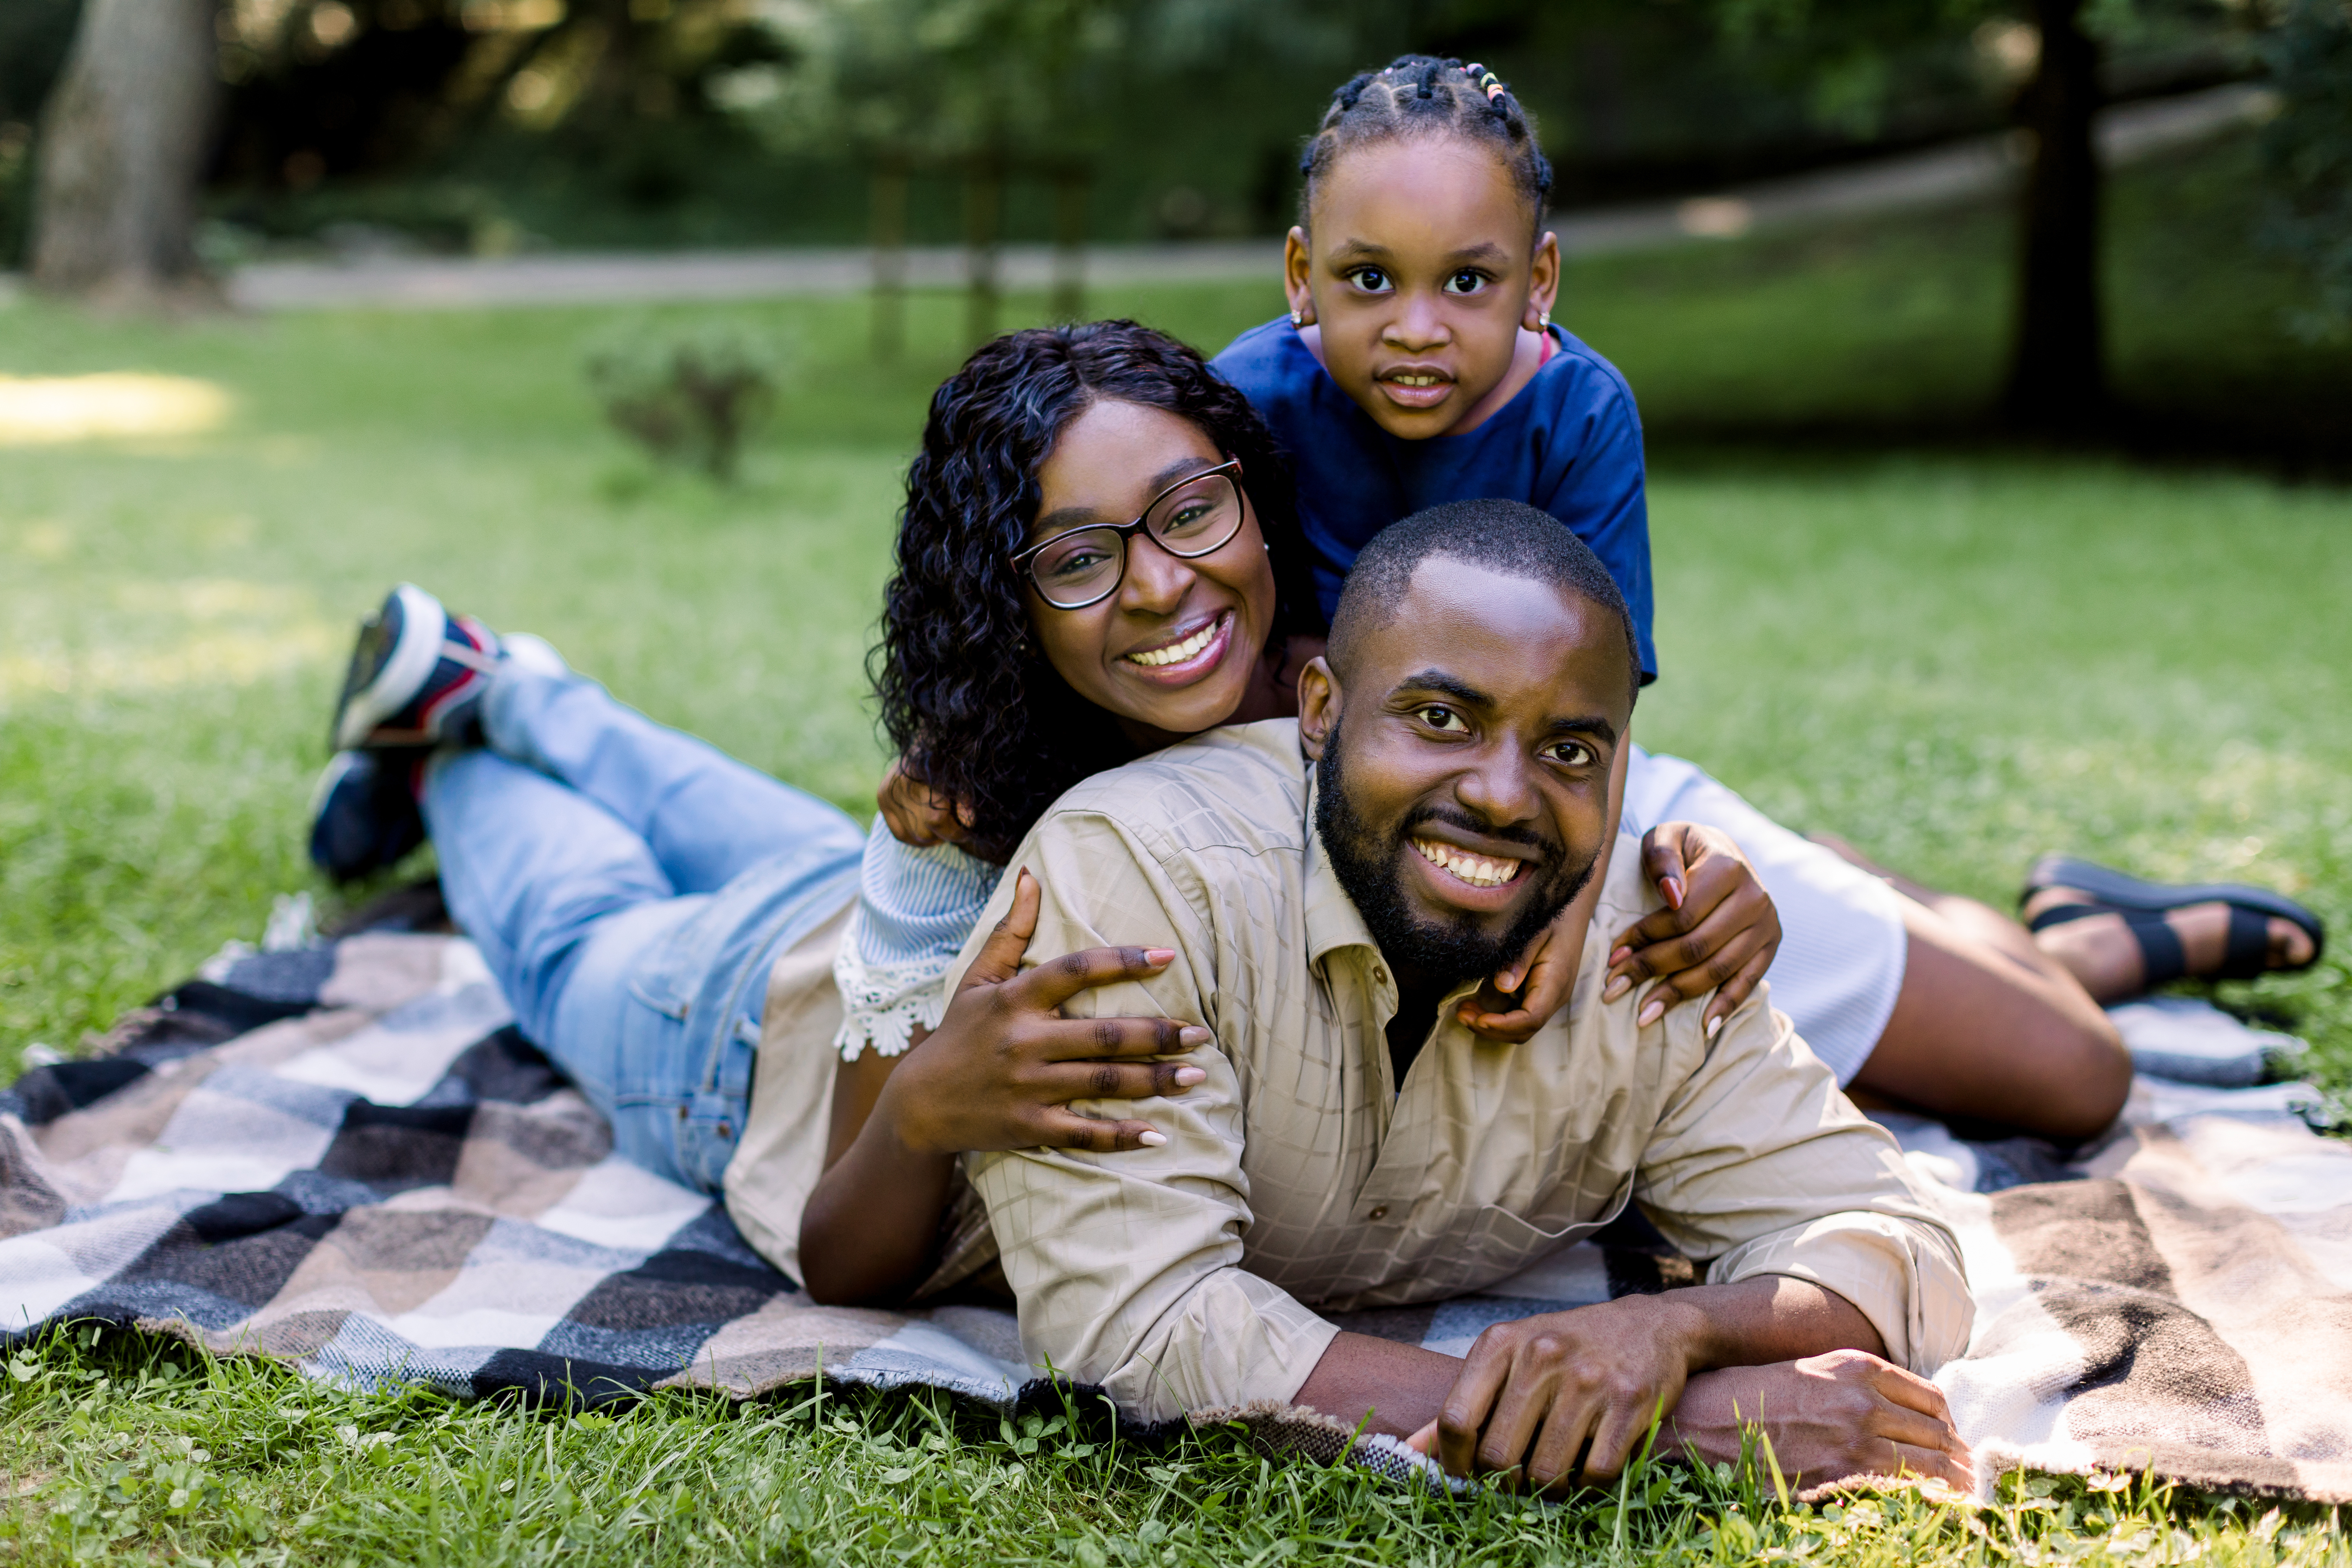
(1191, 517)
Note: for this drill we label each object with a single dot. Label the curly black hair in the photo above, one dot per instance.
(966, 696)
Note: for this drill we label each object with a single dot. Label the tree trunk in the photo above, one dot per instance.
(2057, 380)
(122, 153)
(1069, 243)
(889, 217)
(983, 209)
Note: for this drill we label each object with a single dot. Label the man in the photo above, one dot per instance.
(1354, 1146)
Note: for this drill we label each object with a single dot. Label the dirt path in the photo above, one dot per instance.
(1961, 172)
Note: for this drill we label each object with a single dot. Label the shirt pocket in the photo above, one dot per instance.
(1507, 1240)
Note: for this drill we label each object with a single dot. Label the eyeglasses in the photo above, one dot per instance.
(1191, 517)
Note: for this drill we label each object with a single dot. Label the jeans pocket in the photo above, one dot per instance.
(672, 970)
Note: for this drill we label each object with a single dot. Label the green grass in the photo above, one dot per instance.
(136, 1451)
(1957, 655)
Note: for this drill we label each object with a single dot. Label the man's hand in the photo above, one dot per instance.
(1845, 1414)
(1718, 932)
(1002, 1067)
(1533, 1393)
(919, 816)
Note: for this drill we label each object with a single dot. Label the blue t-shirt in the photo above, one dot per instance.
(1570, 442)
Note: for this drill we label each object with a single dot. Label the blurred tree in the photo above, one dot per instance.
(2308, 152)
(122, 149)
(35, 35)
(991, 87)
(2057, 360)
(2051, 53)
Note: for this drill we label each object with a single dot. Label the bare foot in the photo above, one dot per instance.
(2101, 952)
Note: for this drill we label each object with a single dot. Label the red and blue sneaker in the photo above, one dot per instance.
(363, 813)
(416, 678)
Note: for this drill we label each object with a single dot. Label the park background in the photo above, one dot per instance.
(1997, 501)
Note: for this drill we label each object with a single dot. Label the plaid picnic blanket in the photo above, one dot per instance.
(346, 1157)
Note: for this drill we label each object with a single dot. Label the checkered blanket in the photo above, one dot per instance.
(345, 1156)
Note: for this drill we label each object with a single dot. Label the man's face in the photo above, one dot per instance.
(1464, 764)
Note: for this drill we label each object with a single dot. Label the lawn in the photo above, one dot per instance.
(1957, 655)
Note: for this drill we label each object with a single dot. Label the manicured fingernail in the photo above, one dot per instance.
(1191, 1035)
(1187, 1076)
(1156, 956)
(1672, 891)
(1617, 955)
(1652, 1011)
(1714, 1027)
(1618, 985)
(1151, 1139)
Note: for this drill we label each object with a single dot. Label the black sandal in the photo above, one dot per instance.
(2244, 955)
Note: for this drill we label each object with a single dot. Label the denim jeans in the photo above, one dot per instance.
(630, 887)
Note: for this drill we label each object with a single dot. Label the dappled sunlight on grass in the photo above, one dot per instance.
(204, 631)
(37, 411)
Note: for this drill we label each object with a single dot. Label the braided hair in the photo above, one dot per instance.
(967, 697)
(1418, 95)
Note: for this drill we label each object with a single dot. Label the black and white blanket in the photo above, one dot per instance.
(345, 1156)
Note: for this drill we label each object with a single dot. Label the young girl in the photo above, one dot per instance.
(1420, 363)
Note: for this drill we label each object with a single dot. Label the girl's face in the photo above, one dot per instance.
(1424, 282)
(1213, 613)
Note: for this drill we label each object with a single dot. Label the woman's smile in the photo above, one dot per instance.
(1187, 652)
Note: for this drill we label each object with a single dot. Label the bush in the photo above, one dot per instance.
(2308, 149)
(687, 396)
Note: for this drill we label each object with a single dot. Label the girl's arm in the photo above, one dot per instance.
(999, 1072)
(1717, 934)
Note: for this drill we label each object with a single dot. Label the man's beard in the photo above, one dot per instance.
(1370, 869)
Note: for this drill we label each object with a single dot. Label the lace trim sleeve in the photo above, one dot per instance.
(915, 908)
(883, 1004)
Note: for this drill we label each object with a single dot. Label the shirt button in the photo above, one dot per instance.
(1380, 1213)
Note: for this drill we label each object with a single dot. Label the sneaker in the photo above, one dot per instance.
(528, 651)
(416, 676)
(363, 813)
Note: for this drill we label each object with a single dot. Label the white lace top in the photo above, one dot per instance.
(914, 907)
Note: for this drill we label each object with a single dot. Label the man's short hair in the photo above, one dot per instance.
(1505, 536)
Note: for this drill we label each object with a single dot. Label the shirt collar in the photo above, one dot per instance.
(1333, 920)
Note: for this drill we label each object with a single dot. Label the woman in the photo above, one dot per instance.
(1096, 559)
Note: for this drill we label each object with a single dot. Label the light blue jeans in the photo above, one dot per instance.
(630, 887)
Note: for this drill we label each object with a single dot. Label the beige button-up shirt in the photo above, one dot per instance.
(1299, 1175)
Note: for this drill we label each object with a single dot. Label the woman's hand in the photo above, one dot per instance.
(1002, 1068)
(919, 815)
(999, 1072)
(1718, 932)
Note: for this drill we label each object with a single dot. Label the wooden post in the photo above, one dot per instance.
(1070, 243)
(984, 205)
(889, 219)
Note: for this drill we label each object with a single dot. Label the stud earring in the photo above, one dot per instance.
(1544, 322)
(1298, 317)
